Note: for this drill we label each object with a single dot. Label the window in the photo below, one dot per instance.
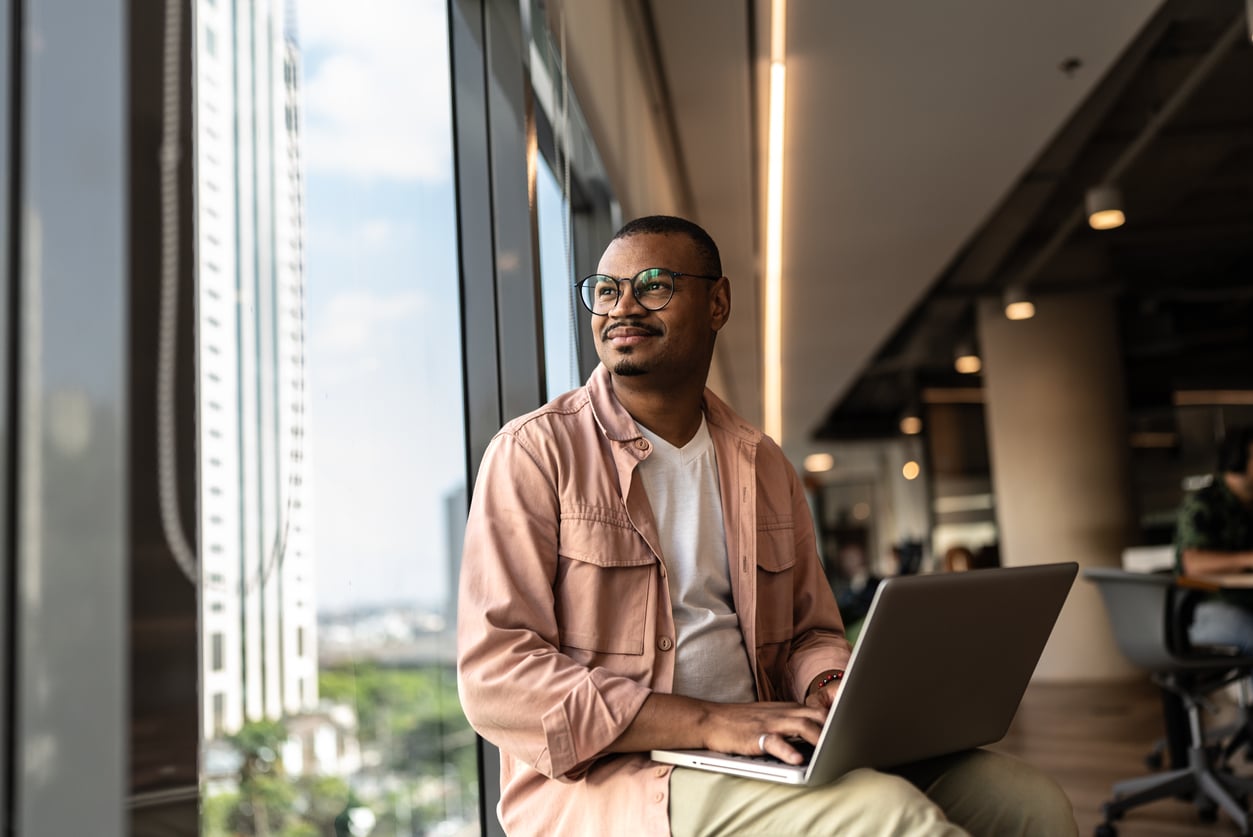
(219, 713)
(339, 490)
(576, 213)
(217, 655)
(562, 318)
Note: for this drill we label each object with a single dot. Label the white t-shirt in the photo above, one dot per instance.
(682, 487)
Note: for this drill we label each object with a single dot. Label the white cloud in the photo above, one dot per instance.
(377, 101)
(377, 230)
(353, 321)
(375, 243)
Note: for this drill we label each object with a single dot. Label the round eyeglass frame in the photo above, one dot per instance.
(646, 273)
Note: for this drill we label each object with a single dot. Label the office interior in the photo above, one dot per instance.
(277, 271)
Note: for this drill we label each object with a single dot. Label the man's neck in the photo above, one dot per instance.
(1240, 486)
(674, 416)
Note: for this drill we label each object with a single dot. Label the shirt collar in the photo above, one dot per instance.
(617, 425)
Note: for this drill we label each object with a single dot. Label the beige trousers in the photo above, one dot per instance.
(978, 793)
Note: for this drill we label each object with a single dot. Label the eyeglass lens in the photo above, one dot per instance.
(653, 289)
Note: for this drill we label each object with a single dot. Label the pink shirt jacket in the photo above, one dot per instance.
(564, 621)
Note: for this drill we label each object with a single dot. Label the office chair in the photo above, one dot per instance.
(1149, 615)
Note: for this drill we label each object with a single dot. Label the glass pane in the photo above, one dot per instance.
(561, 317)
(332, 451)
(576, 209)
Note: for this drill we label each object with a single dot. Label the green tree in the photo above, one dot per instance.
(392, 704)
(215, 814)
(412, 717)
(326, 798)
(265, 795)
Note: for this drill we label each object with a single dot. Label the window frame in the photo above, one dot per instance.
(59, 227)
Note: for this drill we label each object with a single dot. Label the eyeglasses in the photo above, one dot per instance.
(653, 289)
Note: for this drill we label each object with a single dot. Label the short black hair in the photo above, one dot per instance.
(670, 225)
(1233, 453)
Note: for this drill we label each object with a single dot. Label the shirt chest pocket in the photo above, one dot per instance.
(776, 557)
(602, 591)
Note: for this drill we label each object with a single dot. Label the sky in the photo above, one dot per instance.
(384, 368)
(384, 335)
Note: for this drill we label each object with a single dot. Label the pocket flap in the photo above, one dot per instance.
(603, 537)
(775, 543)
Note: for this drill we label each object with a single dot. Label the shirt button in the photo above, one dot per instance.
(665, 643)
(659, 797)
(642, 444)
(661, 771)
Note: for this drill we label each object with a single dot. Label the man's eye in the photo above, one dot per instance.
(606, 290)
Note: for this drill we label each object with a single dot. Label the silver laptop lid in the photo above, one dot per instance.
(941, 665)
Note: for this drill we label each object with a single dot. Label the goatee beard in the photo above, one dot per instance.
(628, 369)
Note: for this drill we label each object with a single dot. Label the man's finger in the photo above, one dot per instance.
(778, 746)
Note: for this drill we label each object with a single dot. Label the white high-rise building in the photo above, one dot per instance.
(258, 607)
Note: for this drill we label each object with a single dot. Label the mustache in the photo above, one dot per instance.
(647, 329)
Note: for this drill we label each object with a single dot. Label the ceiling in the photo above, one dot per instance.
(933, 150)
(1173, 120)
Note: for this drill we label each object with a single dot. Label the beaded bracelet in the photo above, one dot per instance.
(829, 678)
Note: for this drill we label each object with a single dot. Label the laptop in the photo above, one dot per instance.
(941, 666)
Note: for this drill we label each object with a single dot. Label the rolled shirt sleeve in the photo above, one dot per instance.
(517, 689)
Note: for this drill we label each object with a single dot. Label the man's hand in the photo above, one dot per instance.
(751, 729)
(758, 728)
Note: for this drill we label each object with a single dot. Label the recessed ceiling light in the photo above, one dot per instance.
(965, 360)
(1104, 205)
(1018, 306)
(816, 463)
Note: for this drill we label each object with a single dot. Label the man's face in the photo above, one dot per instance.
(676, 341)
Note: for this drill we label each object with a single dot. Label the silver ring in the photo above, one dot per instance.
(761, 741)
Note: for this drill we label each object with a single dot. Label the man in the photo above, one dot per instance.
(1214, 536)
(640, 572)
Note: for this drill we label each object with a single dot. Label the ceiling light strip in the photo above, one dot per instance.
(772, 377)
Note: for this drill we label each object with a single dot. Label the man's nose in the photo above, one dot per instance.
(626, 302)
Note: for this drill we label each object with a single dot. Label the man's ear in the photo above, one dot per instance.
(720, 303)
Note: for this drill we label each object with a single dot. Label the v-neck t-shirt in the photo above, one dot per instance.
(682, 487)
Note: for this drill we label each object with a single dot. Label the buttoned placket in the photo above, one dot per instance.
(641, 516)
(739, 498)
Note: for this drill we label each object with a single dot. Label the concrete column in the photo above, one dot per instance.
(1057, 435)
